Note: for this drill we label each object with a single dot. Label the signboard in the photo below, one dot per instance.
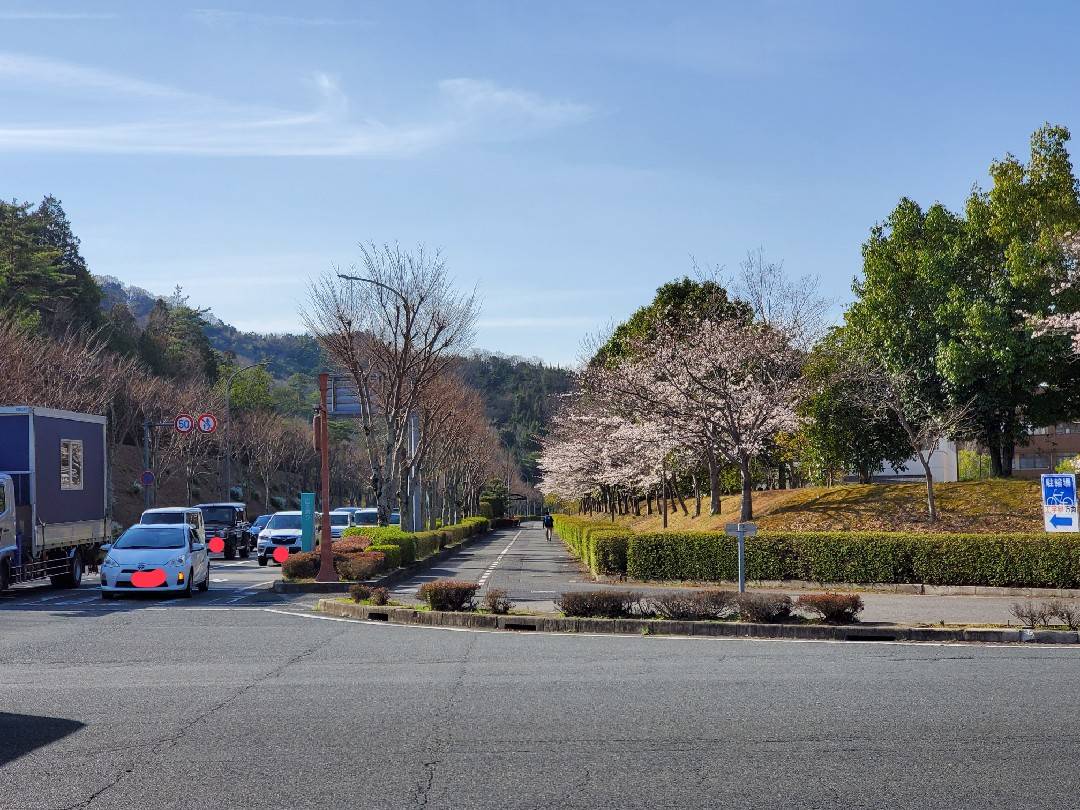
(1059, 502)
(147, 478)
(207, 423)
(740, 531)
(307, 521)
(184, 423)
(341, 398)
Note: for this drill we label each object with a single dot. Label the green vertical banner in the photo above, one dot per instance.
(307, 521)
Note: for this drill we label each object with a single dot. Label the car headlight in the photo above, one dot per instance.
(110, 563)
(178, 560)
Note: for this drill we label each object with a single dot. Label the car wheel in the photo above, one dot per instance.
(204, 586)
(262, 561)
(186, 593)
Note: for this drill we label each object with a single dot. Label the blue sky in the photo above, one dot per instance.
(567, 157)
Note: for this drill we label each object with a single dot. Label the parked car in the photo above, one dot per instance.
(172, 553)
(366, 517)
(282, 530)
(340, 520)
(257, 526)
(171, 515)
(395, 518)
(228, 521)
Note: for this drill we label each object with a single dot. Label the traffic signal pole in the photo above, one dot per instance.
(326, 552)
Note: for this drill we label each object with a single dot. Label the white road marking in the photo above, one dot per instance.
(219, 579)
(491, 568)
(240, 591)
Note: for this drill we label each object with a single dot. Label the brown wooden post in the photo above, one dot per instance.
(326, 552)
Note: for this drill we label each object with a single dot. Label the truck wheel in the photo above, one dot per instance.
(72, 578)
(245, 550)
(5, 575)
(230, 549)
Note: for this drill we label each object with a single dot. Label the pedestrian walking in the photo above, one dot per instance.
(549, 524)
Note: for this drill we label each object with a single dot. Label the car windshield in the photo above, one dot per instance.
(147, 537)
(162, 518)
(260, 521)
(219, 515)
(339, 520)
(284, 522)
(367, 518)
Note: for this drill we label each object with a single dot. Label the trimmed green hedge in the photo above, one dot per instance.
(392, 552)
(1006, 560)
(416, 546)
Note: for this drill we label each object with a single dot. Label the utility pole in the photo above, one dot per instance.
(228, 427)
(327, 573)
(414, 473)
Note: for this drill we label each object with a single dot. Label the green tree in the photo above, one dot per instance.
(76, 296)
(28, 268)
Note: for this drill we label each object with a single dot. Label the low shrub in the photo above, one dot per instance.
(427, 543)
(359, 592)
(304, 565)
(351, 544)
(602, 604)
(359, 566)
(1032, 613)
(496, 600)
(392, 554)
(692, 605)
(1068, 613)
(763, 607)
(448, 594)
(600, 546)
(832, 608)
(379, 596)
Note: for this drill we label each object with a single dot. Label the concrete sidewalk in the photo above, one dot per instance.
(534, 572)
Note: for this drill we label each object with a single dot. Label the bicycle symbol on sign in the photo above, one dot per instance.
(1059, 498)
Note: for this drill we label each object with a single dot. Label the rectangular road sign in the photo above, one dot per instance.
(342, 399)
(1059, 503)
(307, 521)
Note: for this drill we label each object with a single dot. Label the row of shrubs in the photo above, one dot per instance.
(705, 605)
(1007, 560)
(364, 551)
(1045, 612)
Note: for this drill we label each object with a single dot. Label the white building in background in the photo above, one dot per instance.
(944, 465)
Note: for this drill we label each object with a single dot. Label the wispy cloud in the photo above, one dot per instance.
(220, 17)
(54, 16)
(174, 121)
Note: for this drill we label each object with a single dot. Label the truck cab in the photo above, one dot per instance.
(8, 547)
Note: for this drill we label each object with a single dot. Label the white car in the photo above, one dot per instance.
(165, 515)
(340, 520)
(281, 531)
(163, 559)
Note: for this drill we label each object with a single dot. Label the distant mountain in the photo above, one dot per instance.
(520, 394)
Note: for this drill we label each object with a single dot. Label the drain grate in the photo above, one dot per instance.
(518, 626)
(379, 617)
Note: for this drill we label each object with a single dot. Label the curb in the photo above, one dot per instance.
(912, 588)
(387, 580)
(665, 627)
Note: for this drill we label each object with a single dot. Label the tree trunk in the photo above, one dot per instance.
(714, 484)
(747, 511)
(678, 495)
(697, 496)
(663, 501)
(781, 475)
(931, 502)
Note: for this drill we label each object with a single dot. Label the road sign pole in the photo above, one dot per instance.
(326, 553)
(742, 561)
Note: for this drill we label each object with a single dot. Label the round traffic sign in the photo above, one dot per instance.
(207, 423)
(184, 423)
(147, 478)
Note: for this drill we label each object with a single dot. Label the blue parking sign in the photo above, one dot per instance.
(1059, 502)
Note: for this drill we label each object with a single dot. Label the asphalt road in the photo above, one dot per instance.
(258, 704)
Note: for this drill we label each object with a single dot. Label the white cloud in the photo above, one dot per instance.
(219, 17)
(174, 121)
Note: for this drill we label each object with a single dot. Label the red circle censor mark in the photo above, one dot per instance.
(148, 579)
(216, 545)
(281, 554)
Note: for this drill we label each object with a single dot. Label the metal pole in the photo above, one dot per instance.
(326, 553)
(414, 478)
(742, 559)
(146, 461)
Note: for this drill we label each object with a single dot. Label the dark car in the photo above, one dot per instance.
(229, 522)
(257, 526)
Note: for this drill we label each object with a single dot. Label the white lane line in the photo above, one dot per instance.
(240, 592)
(491, 568)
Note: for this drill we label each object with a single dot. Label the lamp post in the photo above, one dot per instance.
(228, 426)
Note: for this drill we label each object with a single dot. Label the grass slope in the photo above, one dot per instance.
(976, 506)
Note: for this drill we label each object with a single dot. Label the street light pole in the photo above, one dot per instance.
(228, 427)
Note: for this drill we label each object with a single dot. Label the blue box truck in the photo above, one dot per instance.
(53, 494)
